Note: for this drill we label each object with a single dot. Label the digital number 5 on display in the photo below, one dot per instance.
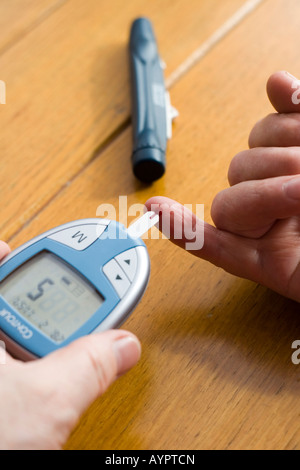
(57, 304)
(80, 278)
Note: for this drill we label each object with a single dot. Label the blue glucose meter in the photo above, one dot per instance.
(79, 278)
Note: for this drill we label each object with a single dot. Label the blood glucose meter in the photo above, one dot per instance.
(79, 278)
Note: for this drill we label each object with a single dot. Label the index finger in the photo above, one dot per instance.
(235, 254)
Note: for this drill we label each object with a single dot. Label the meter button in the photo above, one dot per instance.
(117, 277)
(79, 237)
(128, 262)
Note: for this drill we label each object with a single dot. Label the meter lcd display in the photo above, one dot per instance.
(51, 295)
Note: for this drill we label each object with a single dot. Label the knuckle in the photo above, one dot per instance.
(99, 370)
(217, 209)
(292, 161)
(283, 130)
(236, 167)
(291, 130)
(258, 131)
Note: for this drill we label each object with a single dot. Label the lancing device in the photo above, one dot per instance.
(152, 112)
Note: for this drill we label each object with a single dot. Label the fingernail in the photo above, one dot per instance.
(4, 249)
(127, 352)
(291, 76)
(292, 188)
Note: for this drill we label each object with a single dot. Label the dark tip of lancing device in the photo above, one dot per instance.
(152, 113)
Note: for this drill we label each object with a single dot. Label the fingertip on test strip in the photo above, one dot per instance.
(138, 228)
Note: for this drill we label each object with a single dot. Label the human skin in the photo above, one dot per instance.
(255, 236)
(257, 219)
(41, 401)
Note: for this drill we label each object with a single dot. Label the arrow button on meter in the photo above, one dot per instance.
(116, 277)
(128, 262)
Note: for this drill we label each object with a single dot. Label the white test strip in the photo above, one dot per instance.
(143, 224)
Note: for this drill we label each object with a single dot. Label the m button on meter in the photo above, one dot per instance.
(79, 238)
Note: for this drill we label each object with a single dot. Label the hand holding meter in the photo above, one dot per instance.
(80, 278)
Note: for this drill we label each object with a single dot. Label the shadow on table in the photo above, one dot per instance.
(250, 344)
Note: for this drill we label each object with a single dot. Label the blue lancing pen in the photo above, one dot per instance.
(152, 112)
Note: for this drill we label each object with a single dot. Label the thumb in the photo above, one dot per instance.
(284, 92)
(76, 375)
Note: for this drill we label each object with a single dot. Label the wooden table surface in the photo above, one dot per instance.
(216, 369)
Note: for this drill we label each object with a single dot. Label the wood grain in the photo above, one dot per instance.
(18, 17)
(68, 90)
(216, 370)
